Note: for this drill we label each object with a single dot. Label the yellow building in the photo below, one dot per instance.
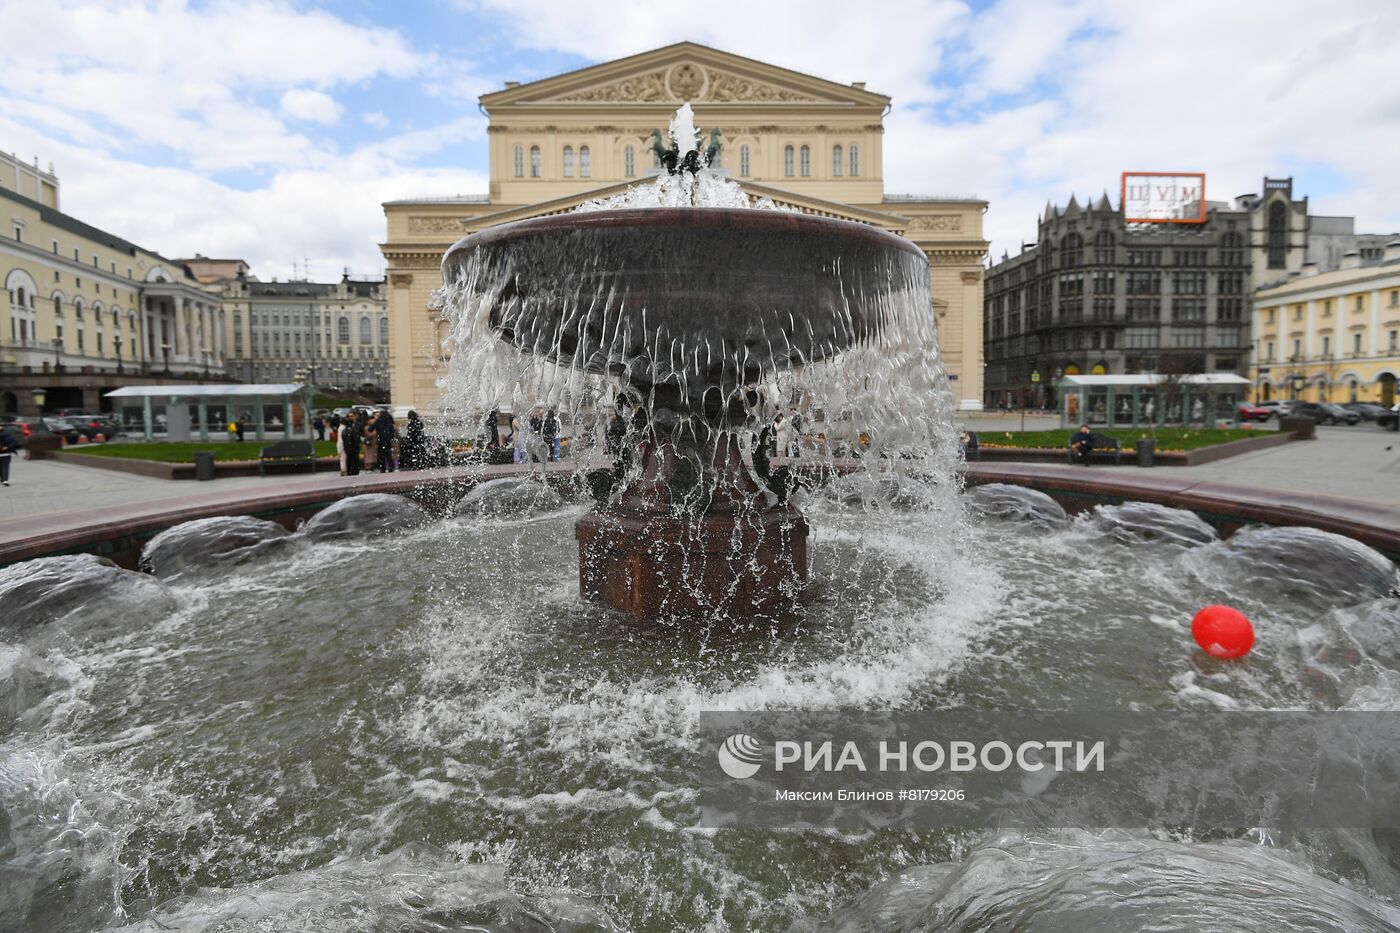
(805, 142)
(89, 311)
(1333, 336)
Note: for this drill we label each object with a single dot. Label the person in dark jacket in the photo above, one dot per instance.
(318, 424)
(551, 434)
(413, 448)
(9, 447)
(1082, 444)
(385, 432)
(350, 442)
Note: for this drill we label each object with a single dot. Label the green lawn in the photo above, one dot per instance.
(1167, 438)
(178, 452)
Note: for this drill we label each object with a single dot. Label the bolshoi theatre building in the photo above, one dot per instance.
(807, 143)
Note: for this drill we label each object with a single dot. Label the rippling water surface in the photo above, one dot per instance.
(430, 731)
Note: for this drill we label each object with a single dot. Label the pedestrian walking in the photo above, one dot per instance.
(232, 430)
(350, 443)
(238, 430)
(368, 439)
(9, 446)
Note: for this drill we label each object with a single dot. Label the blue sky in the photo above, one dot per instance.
(273, 130)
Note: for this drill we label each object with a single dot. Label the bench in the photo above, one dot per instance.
(286, 453)
(1103, 444)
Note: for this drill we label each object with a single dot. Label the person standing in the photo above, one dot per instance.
(551, 435)
(385, 436)
(9, 446)
(368, 440)
(232, 429)
(319, 425)
(350, 441)
(334, 421)
(414, 444)
(238, 430)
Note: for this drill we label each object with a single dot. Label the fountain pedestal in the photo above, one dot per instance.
(735, 565)
(739, 557)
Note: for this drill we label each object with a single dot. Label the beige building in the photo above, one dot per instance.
(1331, 336)
(90, 311)
(805, 142)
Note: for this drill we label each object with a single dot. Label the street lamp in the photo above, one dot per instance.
(1298, 383)
(165, 350)
(57, 353)
(39, 395)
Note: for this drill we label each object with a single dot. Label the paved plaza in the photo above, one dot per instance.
(1360, 462)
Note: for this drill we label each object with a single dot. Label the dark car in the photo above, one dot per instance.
(25, 428)
(63, 428)
(1325, 413)
(92, 425)
(1369, 411)
(1252, 412)
(1391, 419)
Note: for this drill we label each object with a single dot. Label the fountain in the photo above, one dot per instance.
(688, 310)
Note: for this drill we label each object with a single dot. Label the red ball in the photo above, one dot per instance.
(1222, 632)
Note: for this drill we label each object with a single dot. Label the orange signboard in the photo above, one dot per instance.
(1164, 197)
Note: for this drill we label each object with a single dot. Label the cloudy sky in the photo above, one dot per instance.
(273, 130)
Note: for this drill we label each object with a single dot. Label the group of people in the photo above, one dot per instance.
(536, 439)
(368, 441)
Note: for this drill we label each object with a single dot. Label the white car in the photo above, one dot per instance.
(1277, 407)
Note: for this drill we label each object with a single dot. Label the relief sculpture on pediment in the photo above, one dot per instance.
(645, 88)
(436, 225)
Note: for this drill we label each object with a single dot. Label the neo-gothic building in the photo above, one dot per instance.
(805, 142)
(1097, 295)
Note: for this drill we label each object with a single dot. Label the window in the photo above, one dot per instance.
(519, 161)
(384, 330)
(1190, 257)
(629, 162)
(364, 330)
(1144, 283)
(1356, 344)
(1277, 237)
(806, 161)
(1395, 299)
(1071, 251)
(837, 157)
(744, 161)
(1360, 303)
(1232, 283)
(1229, 309)
(1189, 310)
(1144, 257)
(1394, 340)
(1269, 351)
(1144, 309)
(1103, 247)
(1231, 249)
(855, 161)
(1297, 350)
(568, 161)
(1326, 346)
(1189, 283)
(1140, 338)
(58, 317)
(1189, 337)
(585, 162)
(1071, 284)
(55, 247)
(342, 330)
(534, 162)
(19, 233)
(787, 161)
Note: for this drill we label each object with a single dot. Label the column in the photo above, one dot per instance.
(146, 418)
(203, 418)
(258, 417)
(287, 417)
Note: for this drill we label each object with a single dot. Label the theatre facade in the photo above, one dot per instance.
(805, 142)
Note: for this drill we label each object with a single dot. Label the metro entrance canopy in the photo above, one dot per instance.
(1150, 398)
(178, 398)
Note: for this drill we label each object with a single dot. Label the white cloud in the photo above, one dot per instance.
(376, 119)
(313, 106)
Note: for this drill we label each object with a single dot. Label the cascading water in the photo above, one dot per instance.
(425, 728)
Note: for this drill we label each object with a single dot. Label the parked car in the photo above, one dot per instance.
(1369, 411)
(1390, 419)
(1279, 407)
(1251, 412)
(63, 428)
(1325, 413)
(25, 428)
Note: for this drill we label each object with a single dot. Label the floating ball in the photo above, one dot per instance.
(1222, 632)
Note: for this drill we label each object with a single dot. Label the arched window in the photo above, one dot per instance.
(82, 326)
(787, 161)
(99, 330)
(1278, 235)
(58, 318)
(855, 161)
(585, 162)
(519, 161)
(568, 161)
(384, 330)
(364, 330)
(744, 161)
(342, 330)
(534, 161)
(629, 162)
(806, 161)
(1071, 251)
(837, 161)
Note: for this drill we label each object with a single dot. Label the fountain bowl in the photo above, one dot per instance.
(691, 298)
